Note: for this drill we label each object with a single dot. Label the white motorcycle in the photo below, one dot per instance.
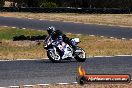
(57, 52)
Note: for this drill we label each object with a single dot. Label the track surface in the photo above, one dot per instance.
(43, 71)
(80, 28)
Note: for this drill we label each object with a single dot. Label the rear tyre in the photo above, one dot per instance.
(55, 58)
(80, 55)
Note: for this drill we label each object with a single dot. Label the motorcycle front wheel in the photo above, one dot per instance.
(54, 57)
(80, 55)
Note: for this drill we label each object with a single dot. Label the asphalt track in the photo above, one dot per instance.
(44, 72)
(15, 73)
(91, 29)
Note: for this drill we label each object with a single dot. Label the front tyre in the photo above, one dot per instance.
(54, 57)
(80, 55)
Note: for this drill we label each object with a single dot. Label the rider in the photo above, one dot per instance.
(58, 35)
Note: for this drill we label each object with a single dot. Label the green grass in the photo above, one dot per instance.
(9, 33)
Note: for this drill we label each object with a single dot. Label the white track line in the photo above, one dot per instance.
(101, 36)
(4, 60)
(103, 56)
(91, 35)
(74, 82)
(26, 59)
(123, 38)
(79, 34)
(14, 87)
(112, 56)
(30, 18)
(5, 26)
(123, 55)
(63, 83)
(28, 85)
(43, 84)
(111, 37)
(69, 33)
(23, 28)
(108, 56)
(13, 27)
(40, 19)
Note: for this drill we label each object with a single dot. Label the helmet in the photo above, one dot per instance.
(50, 30)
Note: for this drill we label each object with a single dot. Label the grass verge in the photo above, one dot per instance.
(107, 19)
(93, 45)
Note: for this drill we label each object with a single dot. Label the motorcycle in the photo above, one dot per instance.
(57, 52)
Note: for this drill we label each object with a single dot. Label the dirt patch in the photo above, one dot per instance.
(19, 43)
(12, 50)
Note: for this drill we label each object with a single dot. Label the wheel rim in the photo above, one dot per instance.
(55, 56)
(81, 54)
